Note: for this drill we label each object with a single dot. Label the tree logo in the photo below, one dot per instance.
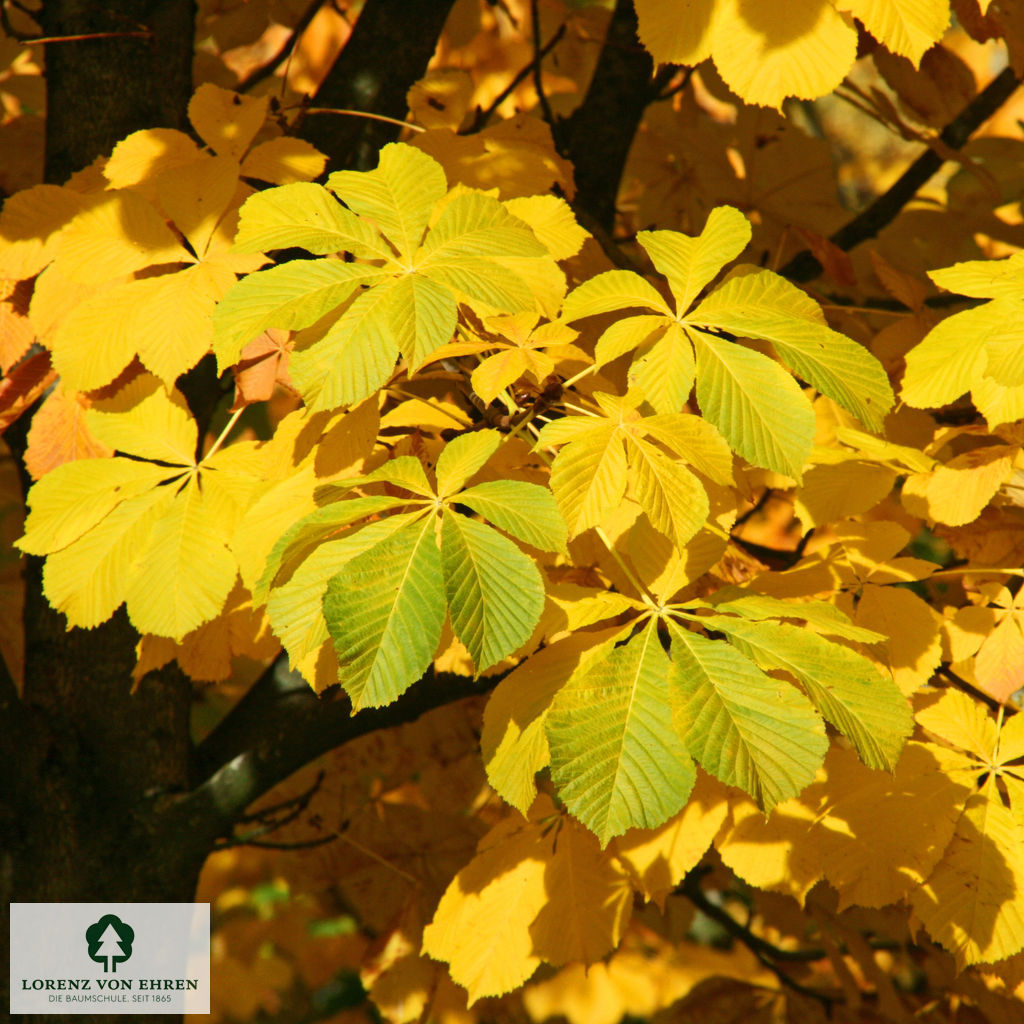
(110, 942)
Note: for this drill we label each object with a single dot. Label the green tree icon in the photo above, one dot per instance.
(110, 941)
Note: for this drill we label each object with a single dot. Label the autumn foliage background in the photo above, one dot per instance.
(517, 503)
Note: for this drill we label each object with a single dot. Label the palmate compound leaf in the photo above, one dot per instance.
(141, 527)
(744, 727)
(601, 455)
(495, 592)
(385, 611)
(399, 292)
(617, 760)
(843, 685)
(386, 606)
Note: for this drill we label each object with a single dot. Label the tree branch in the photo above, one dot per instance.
(281, 726)
(390, 46)
(266, 70)
(598, 135)
(805, 267)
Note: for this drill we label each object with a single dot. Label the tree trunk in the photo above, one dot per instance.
(87, 763)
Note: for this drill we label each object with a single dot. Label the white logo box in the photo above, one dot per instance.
(110, 958)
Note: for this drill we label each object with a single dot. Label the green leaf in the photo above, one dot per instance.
(527, 511)
(756, 405)
(463, 456)
(824, 617)
(744, 727)
(398, 195)
(670, 495)
(296, 543)
(611, 291)
(385, 611)
(843, 685)
(307, 216)
(690, 263)
(616, 760)
(495, 593)
(756, 303)
(290, 296)
(627, 334)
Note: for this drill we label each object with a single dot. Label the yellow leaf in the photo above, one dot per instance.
(87, 579)
(589, 900)
(677, 33)
(441, 99)
(913, 649)
(999, 666)
(589, 476)
(907, 27)
(962, 722)
(182, 576)
(117, 234)
(142, 419)
(513, 743)
(959, 491)
(973, 902)
(482, 924)
(869, 837)
(29, 226)
(74, 497)
(691, 263)
(197, 195)
(142, 157)
(670, 495)
(766, 51)
(283, 161)
(772, 853)
(226, 121)
(552, 221)
(830, 493)
(278, 507)
(172, 324)
(659, 858)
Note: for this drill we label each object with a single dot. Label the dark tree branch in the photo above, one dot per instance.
(280, 727)
(483, 116)
(770, 956)
(266, 70)
(537, 62)
(805, 267)
(598, 135)
(390, 46)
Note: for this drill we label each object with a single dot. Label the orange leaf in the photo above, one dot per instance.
(23, 385)
(58, 434)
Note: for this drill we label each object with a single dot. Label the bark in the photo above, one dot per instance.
(100, 90)
(389, 50)
(597, 137)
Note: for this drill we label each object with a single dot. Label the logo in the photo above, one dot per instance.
(110, 942)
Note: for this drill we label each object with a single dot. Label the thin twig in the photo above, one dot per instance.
(483, 116)
(363, 113)
(870, 221)
(538, 58)
(769, 955)
(266, 70)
